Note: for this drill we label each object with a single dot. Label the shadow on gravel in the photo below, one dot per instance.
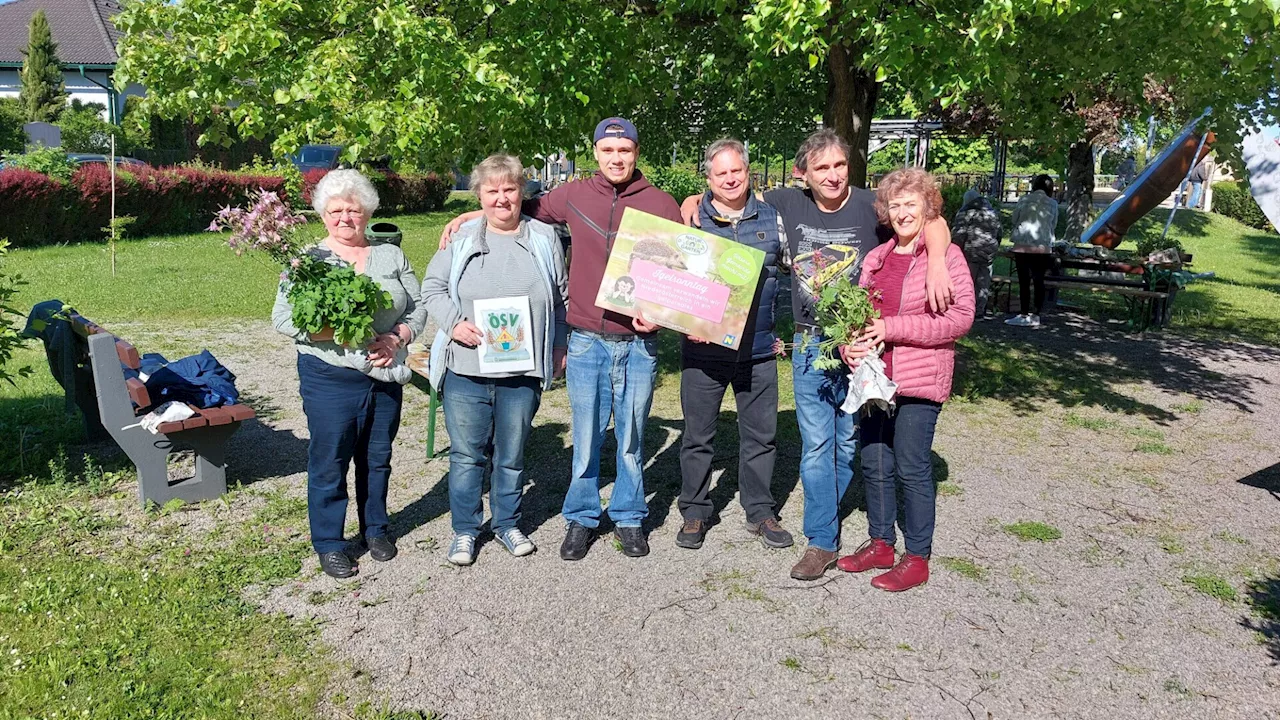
(260, 452)
(1264, 598)
(1267, 478)
(1074, 361)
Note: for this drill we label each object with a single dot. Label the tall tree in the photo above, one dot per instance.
(43, 93)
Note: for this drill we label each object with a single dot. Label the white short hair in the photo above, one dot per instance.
(348, 185)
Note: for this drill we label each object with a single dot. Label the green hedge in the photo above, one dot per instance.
(1233, 200)
(677, 182)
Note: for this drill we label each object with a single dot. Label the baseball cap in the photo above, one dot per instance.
(628, 130)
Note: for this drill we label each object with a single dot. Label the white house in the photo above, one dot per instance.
(86, 41)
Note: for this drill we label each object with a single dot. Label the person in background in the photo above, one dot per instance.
(489, 415)
(351, 415)
(1035, 219)
(613, 359)
(1200, 174)
(729, 209)
(976, 229)
(919, 355)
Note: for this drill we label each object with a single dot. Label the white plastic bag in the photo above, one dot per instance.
(868, 383)
(169, 412)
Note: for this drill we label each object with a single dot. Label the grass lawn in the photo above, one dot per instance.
(108, 613)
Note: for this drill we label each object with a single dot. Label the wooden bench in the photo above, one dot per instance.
(108, 399)
(1146, 307)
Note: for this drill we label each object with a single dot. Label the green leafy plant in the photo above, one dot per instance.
(842, 309)
(322, 294)
(115, 230)
(677, 182)
(1152, 243)
(1031, 530)
(1211, 585)
(10, 339)
(46, 161)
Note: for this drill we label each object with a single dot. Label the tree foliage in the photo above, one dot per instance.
(43, 93)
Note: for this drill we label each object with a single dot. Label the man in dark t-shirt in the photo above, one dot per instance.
(830, 228)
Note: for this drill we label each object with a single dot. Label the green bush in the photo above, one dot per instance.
(12, 139)
(677, 182)
(952, 199)
(46, 161)
(10, 340)
(84, 130)
(1234, 200)
(293, 182)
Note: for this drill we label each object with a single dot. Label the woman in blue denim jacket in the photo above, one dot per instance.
(501, 255)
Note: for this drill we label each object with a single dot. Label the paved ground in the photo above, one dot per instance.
(1155, 457)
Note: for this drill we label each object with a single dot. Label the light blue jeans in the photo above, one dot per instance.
(827, 444)
(609, 378)
(489, 420)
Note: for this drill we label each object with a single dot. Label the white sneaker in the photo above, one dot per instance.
(1019, 321)
(1035, 321)
(462, 551)
(515, 542)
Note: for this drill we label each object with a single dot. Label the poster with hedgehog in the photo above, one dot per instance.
(506, 345)
(681, 278)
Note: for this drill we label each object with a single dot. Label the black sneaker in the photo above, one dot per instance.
(338, 564)
(577, 540)
(771, 533)
(633, 541)
(381, 548)
(692, 533)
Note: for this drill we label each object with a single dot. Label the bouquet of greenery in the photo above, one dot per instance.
(323, 294)
(842, 308)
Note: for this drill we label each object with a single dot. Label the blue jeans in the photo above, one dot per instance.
(1197, 189)
(827, 444)
(609, 377)
(898, 447)
(349, 416)
(487, 419)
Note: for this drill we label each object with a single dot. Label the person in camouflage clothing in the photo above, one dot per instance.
(976, 229)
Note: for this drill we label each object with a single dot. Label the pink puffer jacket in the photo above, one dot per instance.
(924, 342)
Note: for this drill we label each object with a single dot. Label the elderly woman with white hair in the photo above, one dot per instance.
(352, 396)
(489, 412)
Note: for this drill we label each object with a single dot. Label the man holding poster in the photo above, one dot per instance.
(613, 358)
(730, 210)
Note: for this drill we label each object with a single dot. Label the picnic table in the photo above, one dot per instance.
(1148, 288)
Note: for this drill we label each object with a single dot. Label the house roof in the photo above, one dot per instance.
(82, 29)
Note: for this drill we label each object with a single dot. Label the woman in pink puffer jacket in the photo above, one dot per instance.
(919, 355)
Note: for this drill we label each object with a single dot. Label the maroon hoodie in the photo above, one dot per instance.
(592, 209)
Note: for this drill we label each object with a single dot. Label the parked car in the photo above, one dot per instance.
(316, 157)
(90, 159)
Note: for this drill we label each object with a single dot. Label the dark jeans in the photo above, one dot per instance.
(755, 390)
(349, 416)
(1031, 271)
(899, 447)
(488, 419)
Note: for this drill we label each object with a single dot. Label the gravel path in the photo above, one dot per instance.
(1155, 457)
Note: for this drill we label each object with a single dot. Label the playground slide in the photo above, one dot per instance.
(1157, 180)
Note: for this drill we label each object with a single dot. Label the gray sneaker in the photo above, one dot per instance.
(462, 551)
(515, 542)
(771, 533)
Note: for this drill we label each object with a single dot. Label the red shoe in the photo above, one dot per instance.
(874, 553)
(913, 570)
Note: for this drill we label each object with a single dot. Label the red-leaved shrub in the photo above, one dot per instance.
(42, 211)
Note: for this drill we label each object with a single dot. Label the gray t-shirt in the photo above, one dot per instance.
(503, 268)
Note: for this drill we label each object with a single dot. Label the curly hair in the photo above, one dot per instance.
(908, 180)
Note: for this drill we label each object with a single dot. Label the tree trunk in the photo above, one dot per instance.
(1079, 195)
(851, 103)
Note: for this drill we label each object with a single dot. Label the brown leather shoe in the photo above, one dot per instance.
(813, 564)
(692, 533)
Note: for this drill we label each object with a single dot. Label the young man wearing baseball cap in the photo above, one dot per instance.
(613, 359)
